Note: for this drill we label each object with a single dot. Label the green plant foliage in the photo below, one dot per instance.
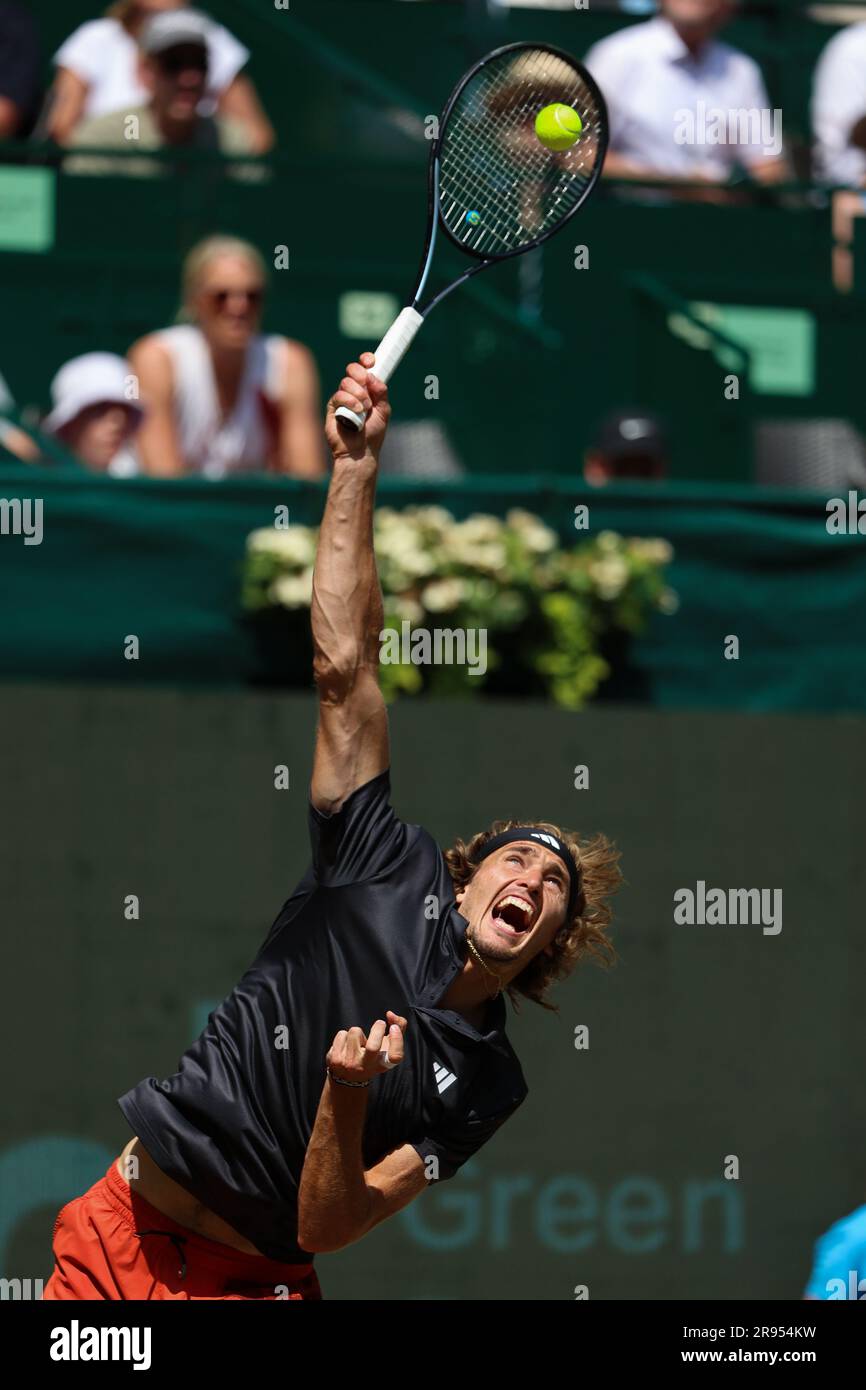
(547, 611)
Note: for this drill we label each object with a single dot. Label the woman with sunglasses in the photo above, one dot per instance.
(223, 398)
(98, 72)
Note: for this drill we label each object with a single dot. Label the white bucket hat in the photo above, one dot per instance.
(173, 28)
(96, 378)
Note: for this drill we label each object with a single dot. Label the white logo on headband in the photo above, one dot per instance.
(548, 839)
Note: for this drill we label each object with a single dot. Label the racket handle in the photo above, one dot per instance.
(389, 355)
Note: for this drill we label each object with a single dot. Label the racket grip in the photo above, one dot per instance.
(389, 355)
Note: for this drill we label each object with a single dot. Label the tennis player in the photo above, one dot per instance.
(363, 1055)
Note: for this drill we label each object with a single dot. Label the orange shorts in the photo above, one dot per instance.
(111, 1244)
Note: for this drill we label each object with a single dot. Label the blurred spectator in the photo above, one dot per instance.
(221, 397)
(174, 67)
(673, 89)
(13, 439)
(839, 109)
(838, 120)
(93, 415)
(630, 445)
(839, 1263)
(98, 72)
(839, 123)
(19, 70)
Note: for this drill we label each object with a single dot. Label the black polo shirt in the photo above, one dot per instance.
(372, 926)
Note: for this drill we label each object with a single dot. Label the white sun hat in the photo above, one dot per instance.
(96, 378)
(171, 28)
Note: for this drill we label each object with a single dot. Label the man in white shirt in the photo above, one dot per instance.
(173, 65)
(98, 72)
(839, 109)
(682, 105)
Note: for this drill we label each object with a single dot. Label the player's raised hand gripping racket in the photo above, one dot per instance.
(520, 147)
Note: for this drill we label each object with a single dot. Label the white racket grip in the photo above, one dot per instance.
(396, 343)
(389, 355)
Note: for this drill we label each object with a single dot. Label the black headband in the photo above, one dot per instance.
(543, 837)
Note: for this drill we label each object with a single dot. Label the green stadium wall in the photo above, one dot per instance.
(704, 1042)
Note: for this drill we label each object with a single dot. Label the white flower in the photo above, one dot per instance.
(405, 608)
(535, 535)
(609, 541)
(485, 555)
(453, 549)
(433, 518)
(656, 551)
(418, 564)
(669, 601)
(389, 525)
(609, 576)
(443, 595)
(403, 551)
(293, 590)
(395, 544)
(478, 528)
(489, 558)
(295, 546)
(260, 539)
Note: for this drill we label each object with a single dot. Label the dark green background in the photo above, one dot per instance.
(704, 1041)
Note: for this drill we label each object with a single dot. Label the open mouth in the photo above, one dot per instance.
(512, 915)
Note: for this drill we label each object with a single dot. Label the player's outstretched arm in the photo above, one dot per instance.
(347, 614)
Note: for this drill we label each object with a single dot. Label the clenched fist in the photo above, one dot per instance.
(362, 391)
(356, 1058)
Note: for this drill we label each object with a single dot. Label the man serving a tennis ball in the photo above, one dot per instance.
(385, 973)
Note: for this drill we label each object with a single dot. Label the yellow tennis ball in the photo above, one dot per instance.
(558, 126)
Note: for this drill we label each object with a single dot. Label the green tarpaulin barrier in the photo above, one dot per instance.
(162, 561)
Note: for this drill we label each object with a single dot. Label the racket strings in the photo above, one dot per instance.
(500, 188)
(508, 161)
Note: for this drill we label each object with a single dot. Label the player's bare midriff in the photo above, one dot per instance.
(162, 1192)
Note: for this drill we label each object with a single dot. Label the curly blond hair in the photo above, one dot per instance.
(585, 934)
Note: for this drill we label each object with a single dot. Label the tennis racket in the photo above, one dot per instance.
(493, 187)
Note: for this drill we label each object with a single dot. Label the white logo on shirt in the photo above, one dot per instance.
(444, 1077)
